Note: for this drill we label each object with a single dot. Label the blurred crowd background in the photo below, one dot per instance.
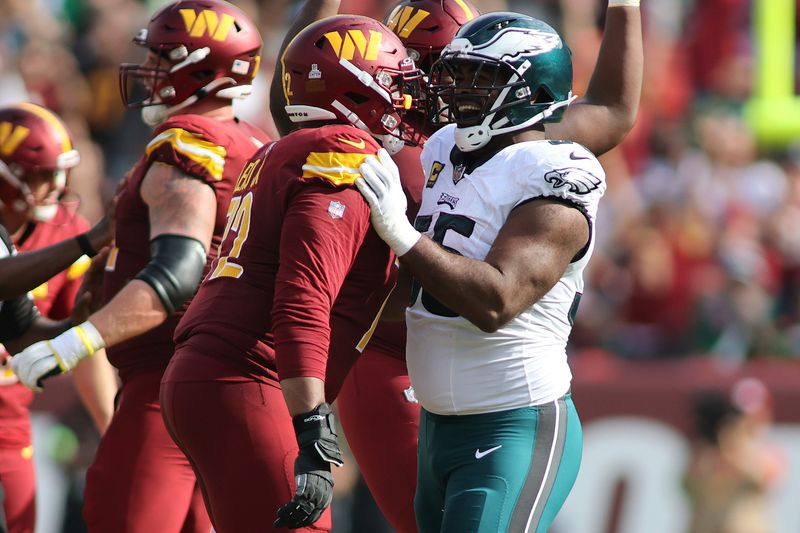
(698, 251)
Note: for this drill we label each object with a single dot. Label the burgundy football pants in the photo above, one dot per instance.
(19, 487)
(140, 481)
(381, 424)
(238, 435)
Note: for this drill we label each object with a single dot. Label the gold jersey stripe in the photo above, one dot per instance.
(79, 267)
(207, 154)
(27, 452)
(40, 292)
(111, 262)
(337, 167)
(368, 335)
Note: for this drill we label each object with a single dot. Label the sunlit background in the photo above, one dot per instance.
(694, 284)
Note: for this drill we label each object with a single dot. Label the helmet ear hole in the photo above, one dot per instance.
(542, 96)
(356, 98)
(201, 75)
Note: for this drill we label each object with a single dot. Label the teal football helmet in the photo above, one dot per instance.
(502, 72)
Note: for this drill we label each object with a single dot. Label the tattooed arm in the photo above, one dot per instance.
(179, 205)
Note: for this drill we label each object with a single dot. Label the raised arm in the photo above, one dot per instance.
(312, 11)
(601, 119)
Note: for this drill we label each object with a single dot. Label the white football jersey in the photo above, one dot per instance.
(455, 367)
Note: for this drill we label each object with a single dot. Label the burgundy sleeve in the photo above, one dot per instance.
(322, 231)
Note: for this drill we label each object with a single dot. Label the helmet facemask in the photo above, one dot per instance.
(405, 88)
(21, 198)
(477, 93)
(501, 73)
(173, 77)
(150, 86)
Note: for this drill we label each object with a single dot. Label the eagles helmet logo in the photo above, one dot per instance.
(577, 180)
(512, 43)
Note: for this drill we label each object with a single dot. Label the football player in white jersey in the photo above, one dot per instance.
(507, 228)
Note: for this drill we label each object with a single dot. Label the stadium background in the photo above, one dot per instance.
(695, 281)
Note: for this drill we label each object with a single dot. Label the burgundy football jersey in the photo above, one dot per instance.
(390, 337)
(301, 275)
(212, 151)
(55, 297)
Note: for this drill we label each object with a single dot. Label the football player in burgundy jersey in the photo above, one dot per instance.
(170, 216)
(377, 406)
(298, 284)
(36, 153)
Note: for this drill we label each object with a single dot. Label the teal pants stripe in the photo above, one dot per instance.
(509, 471)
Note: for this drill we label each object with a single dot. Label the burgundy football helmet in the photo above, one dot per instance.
(353, 70)
(200, 48)
(425, 27)
(33, 141)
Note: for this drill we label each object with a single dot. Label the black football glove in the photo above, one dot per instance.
(316, 438)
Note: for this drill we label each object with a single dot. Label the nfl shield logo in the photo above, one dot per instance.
(458, 173)
(336, 209)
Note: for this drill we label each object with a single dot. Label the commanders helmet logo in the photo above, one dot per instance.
(345, 47)
(207, 21)
(11, 136)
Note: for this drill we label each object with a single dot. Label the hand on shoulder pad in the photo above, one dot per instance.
(380, 185)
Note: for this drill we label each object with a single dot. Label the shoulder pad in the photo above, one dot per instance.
(188, 150)
(336, 154)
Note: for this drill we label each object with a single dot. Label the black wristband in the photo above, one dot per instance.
(316, 435)
(85, 245)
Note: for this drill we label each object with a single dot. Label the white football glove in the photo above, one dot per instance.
(380, 186)
(57, 355)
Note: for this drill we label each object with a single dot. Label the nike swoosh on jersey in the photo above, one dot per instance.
(575, 157)
(481, 454)
(359, 145)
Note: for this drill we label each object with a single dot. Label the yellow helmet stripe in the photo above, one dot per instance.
(467, 11)
(49, 117)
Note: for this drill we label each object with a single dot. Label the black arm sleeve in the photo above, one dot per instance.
(176, 264)
(17, 314)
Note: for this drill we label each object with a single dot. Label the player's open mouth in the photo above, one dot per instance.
(468, 108)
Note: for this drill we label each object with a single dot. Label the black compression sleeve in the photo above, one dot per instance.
(16, 316)
(176, 264)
